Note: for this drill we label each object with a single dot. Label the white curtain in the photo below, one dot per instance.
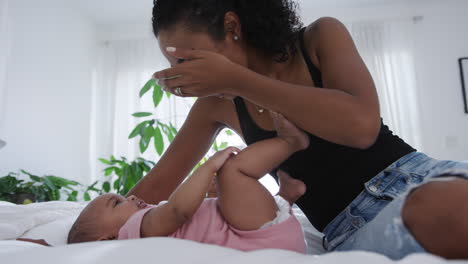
(4, 50)
(123, 67)
(387, 49)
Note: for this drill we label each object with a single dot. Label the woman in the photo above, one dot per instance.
(244, 57)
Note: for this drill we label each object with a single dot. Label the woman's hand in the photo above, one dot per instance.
(216, 162)
(200, 74)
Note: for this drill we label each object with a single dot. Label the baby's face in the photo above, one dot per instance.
(113, 210)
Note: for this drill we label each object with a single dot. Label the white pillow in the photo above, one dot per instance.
(38, 220)
(55, 233)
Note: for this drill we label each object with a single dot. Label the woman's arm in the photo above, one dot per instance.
(189, 146)
(185, 201)
(346, 111)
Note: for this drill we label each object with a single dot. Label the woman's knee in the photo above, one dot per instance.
(436, 214)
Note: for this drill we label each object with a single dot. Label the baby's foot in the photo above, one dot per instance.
(290, 132)
(290, 189)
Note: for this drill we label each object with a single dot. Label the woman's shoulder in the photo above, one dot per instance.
(322, 30)
(324, 36)
(324, 25)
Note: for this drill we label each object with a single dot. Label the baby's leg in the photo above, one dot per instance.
(289, 188)
(244, 202)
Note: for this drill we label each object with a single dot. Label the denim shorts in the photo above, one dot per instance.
(372, 222)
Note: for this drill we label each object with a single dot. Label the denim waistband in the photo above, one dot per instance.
(413, 164)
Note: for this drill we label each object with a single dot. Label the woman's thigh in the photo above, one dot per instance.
(243, 201)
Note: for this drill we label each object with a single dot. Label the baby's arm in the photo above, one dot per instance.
(185, 200)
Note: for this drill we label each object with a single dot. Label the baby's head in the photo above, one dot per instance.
(103, 218)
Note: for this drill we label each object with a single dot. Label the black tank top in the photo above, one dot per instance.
(334, 174)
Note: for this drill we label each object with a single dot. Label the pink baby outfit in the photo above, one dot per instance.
(208, 226)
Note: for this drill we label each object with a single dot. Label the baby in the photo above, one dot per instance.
(244, 216)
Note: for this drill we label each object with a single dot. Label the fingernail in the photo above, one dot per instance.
(170, 49)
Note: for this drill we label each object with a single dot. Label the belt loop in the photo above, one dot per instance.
(325, 243)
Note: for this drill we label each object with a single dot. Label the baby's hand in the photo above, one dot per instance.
(37, 241)
(219, 158)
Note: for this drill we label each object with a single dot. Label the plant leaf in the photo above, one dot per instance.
(166, 129)
(58, 181)
(105, 161)
(151, 83)
(229, 132)
(143, 145)
(49, 183)
(109, 171)
(86, 197)
(136, 131)
(157, 95)
(9, 184)
(106, 187)
(148, 133)
(72, 197)
(138, 172)
(173, 129)
(33, 177)
(172, 132)
(93, 187)
(124, 179)
(116, 185)
(142, 114)
(146, 138)
(158, 141)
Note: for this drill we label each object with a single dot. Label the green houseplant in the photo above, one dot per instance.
(125, 174)
(39, 188)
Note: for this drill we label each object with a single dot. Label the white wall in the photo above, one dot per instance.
(48, 93)
(441, 39)
(48, 97)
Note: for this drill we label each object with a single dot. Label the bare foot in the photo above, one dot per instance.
(290, 189)
(297, 138)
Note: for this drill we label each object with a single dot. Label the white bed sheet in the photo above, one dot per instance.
(51, 221)
(168, 250)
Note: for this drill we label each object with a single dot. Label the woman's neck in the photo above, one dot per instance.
(265, 65)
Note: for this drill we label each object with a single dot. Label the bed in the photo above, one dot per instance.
(51, 221)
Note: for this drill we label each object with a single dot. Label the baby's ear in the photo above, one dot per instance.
(107, 238)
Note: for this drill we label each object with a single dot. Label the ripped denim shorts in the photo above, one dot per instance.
(372, 222)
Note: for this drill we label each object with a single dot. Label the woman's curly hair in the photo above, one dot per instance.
(270, 26)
